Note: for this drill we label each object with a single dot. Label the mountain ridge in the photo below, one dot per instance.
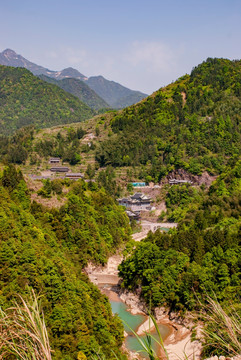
(10, 58)
(27, 100)
(108, 89)
(79, 89)
(193, 123)
(115, 94)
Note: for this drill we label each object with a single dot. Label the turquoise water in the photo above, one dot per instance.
(133, 344)
(134, 321)
(165, 229)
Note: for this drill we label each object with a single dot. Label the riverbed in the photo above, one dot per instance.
(177, 337)
(135, 323)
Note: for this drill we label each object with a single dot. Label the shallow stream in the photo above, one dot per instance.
(134, 321)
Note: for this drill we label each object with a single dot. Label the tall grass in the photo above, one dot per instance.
(147, 341)
(23, 333)
(223, 330)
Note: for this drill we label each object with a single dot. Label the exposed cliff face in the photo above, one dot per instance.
(181, 174)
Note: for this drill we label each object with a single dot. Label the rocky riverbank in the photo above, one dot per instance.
(178, 341)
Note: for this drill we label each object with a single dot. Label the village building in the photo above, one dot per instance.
(74, 176)
(54, 160)
(179, 182)
(133, 215)
(59, 169)
(136, 202)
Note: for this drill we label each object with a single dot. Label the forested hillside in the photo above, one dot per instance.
(203, 256)
(79, 89)
(192, 124)
(46, 249)
(25, 100)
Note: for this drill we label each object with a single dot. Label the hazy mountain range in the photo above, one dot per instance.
(81, 90)
(115, 95)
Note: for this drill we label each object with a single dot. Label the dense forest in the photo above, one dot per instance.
(46, 249)
(203, 256)
(193, 124)
(27, 100)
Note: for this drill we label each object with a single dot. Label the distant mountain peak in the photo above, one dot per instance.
(70, 68)
(114, 94)
(9, 52)
(9, 55)
(71, 73)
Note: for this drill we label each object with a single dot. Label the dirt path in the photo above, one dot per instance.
(105, 275)
(109, 274)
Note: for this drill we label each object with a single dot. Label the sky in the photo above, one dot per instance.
(143, 45)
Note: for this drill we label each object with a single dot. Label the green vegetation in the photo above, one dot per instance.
(46, 249)
(222, 329)
(107, 179)
(181, 199)
(79, 89)
(24, 334)
(23, 331)
(24, 145)
(25, 100)
(201, 257)
(193, 124)
(66, 147)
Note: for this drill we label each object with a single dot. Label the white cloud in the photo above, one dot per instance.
(51, 54)
(154, 56)
(87, 61)
(74, 56)
(141, 65)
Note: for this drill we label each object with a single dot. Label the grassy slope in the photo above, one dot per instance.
(193, 124)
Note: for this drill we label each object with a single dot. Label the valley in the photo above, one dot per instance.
(66, 167)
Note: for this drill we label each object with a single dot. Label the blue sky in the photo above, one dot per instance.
(141, 44)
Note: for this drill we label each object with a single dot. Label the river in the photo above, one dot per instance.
(107, 277)
(134, 322)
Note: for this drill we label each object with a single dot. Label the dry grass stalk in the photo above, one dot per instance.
(225, 331)
(23, 333)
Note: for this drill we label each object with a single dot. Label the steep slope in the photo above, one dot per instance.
(116, 95)
(9, 58)
(46, 249)
(25, 100)
(192, 124)
(79, 89)
(201, 258)
(68, 73)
